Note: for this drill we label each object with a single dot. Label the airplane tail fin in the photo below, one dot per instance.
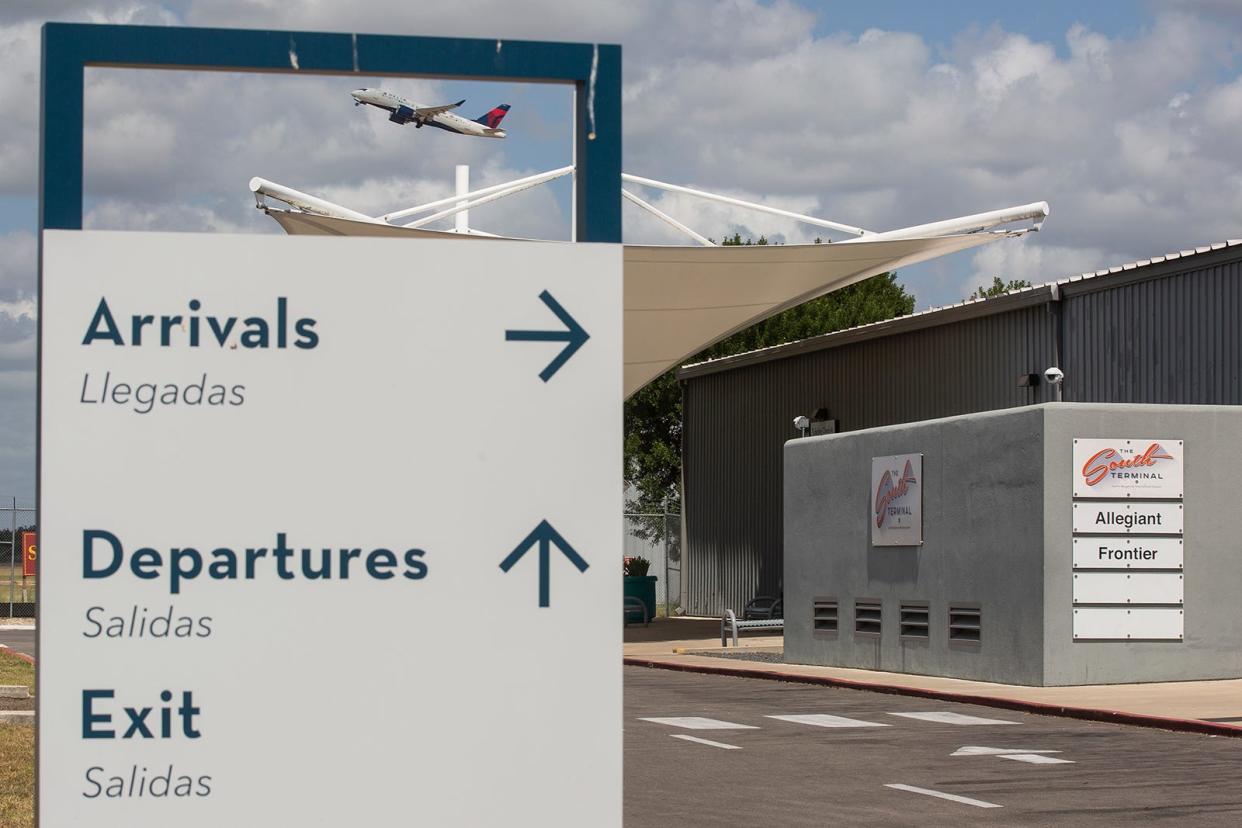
(492, 119)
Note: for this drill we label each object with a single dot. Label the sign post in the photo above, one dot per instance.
(226, 645)
(220, 642)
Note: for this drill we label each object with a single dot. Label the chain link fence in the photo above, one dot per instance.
(657, 537)
(17, 591)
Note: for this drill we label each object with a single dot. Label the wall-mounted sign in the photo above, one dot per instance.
(897, 500)
(1128, 518)
(1128, 548)
(1127, 468)
(1127, 553)
(30, 551)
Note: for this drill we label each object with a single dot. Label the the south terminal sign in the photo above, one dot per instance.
(336, 547)
(897, 500)
(1121, 468)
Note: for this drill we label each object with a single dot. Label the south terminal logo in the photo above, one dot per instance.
(890, 490)
(1112, 462)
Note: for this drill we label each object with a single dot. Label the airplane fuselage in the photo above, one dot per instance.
(404, 111)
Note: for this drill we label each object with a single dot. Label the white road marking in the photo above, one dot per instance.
(965, 800)
(698, 723)
(973, 750)
(699, 741)
(825, 720)
(1036, 759)
(944, 717)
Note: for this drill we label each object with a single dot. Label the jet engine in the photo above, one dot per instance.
(402, 115)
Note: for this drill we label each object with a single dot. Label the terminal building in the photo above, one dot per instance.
(1165, 331)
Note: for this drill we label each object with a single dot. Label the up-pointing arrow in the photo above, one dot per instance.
(573, 336)
(545, 536)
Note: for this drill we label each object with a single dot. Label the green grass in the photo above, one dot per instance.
(16, 775)
(23, 588)
(15, 671)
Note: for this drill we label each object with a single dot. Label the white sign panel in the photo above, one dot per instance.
(1128, 518)
(338, 532)
(1120, 623)
(1128, 553)
(1123, 468)
(897, 500)
(1127, 588)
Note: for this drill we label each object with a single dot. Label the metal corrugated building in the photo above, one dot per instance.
(1164, 330)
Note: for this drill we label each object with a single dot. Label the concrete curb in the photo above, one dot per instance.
(18, 627)
(1039, 708)
(25, 717)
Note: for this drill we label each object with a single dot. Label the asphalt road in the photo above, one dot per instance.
(23, 641)
(792, 773)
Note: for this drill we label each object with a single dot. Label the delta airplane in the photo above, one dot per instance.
(403, 111)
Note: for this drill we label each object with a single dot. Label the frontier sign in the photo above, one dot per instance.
(334, 546)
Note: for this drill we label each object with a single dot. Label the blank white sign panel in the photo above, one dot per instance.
(1127, 588)
(1112, 623)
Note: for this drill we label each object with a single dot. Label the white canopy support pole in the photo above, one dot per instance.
(303, 201)
(538, 178)
(737, 202)
(461, 222)
(966, 224)
(508, 190)
(665, 217)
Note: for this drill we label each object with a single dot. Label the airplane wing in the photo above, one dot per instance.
(428, 111)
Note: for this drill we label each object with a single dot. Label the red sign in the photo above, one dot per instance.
(30, 544)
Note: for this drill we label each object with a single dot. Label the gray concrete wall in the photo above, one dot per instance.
(1212, 647)
(997, 510)
(983, 526)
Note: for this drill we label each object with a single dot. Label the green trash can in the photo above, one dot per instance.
(641, 587)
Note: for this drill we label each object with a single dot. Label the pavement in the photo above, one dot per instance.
(22, 641)
(673, 643)
(704, 750)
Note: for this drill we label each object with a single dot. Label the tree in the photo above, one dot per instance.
(998, 287)
(653, 416)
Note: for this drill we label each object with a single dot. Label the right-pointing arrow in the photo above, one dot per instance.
(545, 536)
(573, 336)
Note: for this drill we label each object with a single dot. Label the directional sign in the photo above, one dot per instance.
(279, 476)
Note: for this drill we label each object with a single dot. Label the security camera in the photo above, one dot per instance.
(802, 422)
(1054, 375)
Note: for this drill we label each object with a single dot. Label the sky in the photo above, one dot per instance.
(1123, 114)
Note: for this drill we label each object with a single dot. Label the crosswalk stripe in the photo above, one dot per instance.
(965, 800)
(826, 720)
(1036, 759)
(708, 742)
(697, 723)
(944, 717)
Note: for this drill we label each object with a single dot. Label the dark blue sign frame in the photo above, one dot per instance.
(595, 71)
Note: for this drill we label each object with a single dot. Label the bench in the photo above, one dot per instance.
(634, 604)
(729, 623)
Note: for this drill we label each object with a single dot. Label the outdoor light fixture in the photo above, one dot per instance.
(1055, 377)
(802, 423)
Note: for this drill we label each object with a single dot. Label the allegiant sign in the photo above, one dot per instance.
(1127, 468)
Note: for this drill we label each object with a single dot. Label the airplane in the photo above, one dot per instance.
(403, 111)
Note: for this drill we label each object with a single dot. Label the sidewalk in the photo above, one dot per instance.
(1204, 706)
